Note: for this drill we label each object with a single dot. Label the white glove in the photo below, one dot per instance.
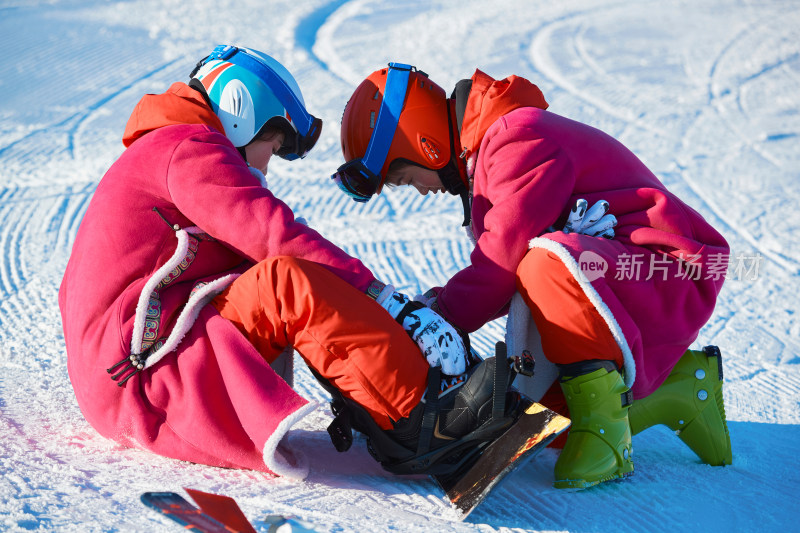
(594, 222)
(438, 340)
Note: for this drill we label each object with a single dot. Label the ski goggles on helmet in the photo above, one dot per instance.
(360, 178)
(301, 129)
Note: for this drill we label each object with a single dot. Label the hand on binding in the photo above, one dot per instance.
(439, 341)
(594, 221)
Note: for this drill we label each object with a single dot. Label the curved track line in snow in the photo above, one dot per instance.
(715, 92)
(36, 228)
(327, 34)
(542, 61)
(790, 265)
(305, 32)
(91, 109)
(81, 117)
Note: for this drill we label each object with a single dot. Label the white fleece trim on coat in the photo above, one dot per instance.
(262, 179)
(150, 286)
(190, 310)
(274, 460)
(595, 299)
(189, 314)
(471, 163)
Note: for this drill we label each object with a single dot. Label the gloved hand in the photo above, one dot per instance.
(439, 341)
(594, 221)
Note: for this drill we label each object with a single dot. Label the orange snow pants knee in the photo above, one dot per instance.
(339, 331)
(571, 328)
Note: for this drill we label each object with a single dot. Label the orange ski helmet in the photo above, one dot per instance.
(396, 113)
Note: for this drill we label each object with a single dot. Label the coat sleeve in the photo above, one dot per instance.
(209, 184)
(528, 181)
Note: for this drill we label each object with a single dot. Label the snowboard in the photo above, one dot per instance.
(465, 489)
(468, 486)
(217, 514)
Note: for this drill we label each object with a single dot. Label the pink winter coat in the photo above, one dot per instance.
(532, 165)
(134, 281)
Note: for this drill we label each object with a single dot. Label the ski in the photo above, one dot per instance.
(216, 514)
(175, 507)
(530, 434)
(465, 489)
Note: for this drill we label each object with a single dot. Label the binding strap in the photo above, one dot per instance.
(501, 375)
(431, 412)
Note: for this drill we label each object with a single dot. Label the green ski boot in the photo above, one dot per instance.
(598, 447)
(690, 403)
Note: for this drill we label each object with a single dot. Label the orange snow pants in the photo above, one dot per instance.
(571, 328)
(338, 330)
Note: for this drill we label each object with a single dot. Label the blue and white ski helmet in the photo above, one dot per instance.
(249, 90)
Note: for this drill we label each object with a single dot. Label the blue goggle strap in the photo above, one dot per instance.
(394, 95)
(297, 111)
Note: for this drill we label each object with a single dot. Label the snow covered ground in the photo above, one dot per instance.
(705, 92)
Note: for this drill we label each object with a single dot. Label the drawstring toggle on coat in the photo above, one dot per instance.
(146, 340)
(132, 366)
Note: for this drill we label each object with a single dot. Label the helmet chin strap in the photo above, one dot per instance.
(451, 179)
(450, 174)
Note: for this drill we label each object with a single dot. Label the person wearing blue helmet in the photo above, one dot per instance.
(251, 92)
(189, 282)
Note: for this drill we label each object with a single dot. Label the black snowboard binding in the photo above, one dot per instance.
(447, 429)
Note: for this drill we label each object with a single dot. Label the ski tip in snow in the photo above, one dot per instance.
(216, 514)
(177, 508)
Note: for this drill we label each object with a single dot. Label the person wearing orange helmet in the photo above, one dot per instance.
(526, 176)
